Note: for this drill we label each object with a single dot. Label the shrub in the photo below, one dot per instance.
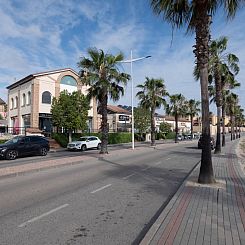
(160, 135)
(2, 141)
(61, 139)
(170, 135)
(117, 138)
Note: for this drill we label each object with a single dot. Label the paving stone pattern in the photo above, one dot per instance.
(205, 214)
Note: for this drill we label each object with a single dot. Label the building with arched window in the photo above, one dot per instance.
(30, 99)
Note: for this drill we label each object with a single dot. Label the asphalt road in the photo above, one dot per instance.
(106, 200)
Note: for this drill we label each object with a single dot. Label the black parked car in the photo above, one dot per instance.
(23, 146)
(200, 143)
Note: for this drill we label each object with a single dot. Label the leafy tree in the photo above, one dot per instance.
(70, 111)
(165, 127)
(151, 96)
(104, 79)
(196, 15)
(192, 110)
(142, 119)
(176, 108)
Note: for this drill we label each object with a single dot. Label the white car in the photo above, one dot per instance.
(84, 143)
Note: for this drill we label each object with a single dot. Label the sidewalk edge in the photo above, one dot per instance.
(165, 210)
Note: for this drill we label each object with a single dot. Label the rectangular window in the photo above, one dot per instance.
(27, 121)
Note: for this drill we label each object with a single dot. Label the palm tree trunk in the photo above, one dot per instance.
(218, 143)
(202, 38)
(104, 126)
(223, 125)
(153, 129)
(191, 126)
(218, 104)
(176, 127)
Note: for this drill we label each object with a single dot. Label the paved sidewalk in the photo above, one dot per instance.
(205, 214)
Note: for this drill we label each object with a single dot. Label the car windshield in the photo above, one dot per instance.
(14, 140)
(83, 139)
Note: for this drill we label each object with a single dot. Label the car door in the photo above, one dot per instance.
(23, 146)
(89, 142)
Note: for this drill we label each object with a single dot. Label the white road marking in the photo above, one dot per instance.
(168, 158)
(158, 163)
(127, 177)
(101, 188)
(146, 168)
(43, 215)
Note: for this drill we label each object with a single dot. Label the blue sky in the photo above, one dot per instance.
(43, 35)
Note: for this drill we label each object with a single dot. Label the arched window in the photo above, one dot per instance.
(46, 97)
(68, 80)
(12, 104)
(23, 99)
(28, 101)
(16, 102)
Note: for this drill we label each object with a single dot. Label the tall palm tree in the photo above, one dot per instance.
(219, 62)
(238, 119)
(196, 15)
(192, 111)
(176, 108)
(104, 78)
(228, 82)
(151, 97)
(231, 101)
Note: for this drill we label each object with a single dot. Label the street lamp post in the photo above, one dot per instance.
(132, 88)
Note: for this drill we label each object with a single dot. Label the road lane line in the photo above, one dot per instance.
(43, 215)
(127, 177)
(168, 158)
(146, 168)
(101, 188)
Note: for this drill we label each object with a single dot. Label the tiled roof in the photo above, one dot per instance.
(31, 76)
(117, 109)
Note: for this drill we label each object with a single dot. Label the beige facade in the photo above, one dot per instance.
(30, 98)
(3, 108)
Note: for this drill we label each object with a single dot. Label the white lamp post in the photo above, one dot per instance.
(132, 88)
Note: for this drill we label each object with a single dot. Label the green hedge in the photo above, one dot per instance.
(118, 138)
(3, 141)
(170, 135)
(113, 138)
(61, 139)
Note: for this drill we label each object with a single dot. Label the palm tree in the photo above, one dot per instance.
(231, 101)
(228, 82)
(197, 16)
(192, 110)
(151, 97)
(219, 62)
(104, 78)
(176, 108)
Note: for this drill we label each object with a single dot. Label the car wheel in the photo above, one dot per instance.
(84, 147)
(99, 146)
(11, 155)
(43, 151)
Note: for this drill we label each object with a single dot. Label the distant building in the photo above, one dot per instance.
(118, 119)
(30, 98)
(3, 107)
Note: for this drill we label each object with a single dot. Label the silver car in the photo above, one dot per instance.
(84, 143)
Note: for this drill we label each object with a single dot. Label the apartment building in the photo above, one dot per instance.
(30, 98)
